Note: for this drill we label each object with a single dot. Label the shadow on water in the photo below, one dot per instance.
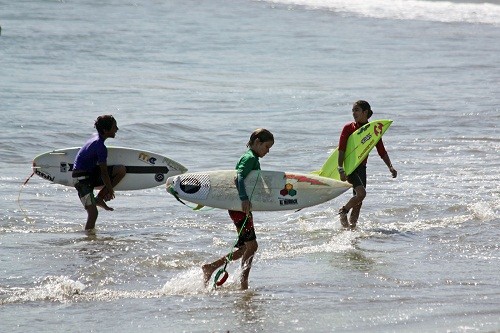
(249, 308)
(356, 257)
(353, 259)
(391, 232)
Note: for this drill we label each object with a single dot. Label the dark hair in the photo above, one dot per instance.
(104, 123)
(365, 106)
(262, 134)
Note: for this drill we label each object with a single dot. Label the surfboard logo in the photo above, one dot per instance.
(367, 148)
(363, 128)
(159, 177)
(378, 129)
(190, 185)
(305, 179)
(147, 159)
(285, 202)
(44, 175)
(172, 164)
(366, 138)
(65, 167)
(288, 190)
(193, 186)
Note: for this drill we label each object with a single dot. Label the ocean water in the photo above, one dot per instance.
(192, 80)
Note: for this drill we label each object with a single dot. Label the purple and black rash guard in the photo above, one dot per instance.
(94, 152)
(248, 162)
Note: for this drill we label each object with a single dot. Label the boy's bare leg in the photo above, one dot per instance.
(246, 262)
(118, 173)
(353, 220)
(209, 269)
(91, 217)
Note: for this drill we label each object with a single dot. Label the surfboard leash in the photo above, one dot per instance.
(229, 257)
(171, 190)
(26, 217)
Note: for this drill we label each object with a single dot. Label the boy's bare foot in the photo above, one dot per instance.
(208, 270)
(244, 285)
(90, 232)
(343, 217)
(101, 203)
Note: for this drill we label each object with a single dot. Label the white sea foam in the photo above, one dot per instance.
(186, 282)
(439, 11)
(51, 288)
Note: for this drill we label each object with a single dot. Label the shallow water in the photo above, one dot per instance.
(191, 80)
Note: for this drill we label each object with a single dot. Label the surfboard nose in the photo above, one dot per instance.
(170, 181)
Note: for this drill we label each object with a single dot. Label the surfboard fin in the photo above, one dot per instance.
(198, 207)
(329, 167)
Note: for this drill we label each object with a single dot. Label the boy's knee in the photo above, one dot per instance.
(360, 193)
(252, 246)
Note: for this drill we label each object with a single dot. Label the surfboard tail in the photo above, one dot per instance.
(329, 167)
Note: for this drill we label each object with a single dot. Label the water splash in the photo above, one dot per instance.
(185, 283)
(51, 288)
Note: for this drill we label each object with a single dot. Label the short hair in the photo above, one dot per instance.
(365, 106)
(262, 134)
(104, 123)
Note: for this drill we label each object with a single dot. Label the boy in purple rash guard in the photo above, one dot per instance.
(91, 170)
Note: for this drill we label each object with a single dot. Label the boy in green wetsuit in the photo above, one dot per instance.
(259, 145)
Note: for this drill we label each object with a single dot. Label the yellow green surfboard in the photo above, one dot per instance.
(359, 145)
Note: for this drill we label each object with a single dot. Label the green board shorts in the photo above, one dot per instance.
(85, 190)
(85, 187)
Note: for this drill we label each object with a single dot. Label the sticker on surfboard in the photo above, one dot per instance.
(359, 145)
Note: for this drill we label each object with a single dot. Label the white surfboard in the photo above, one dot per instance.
(269, 190)
(144, 169)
